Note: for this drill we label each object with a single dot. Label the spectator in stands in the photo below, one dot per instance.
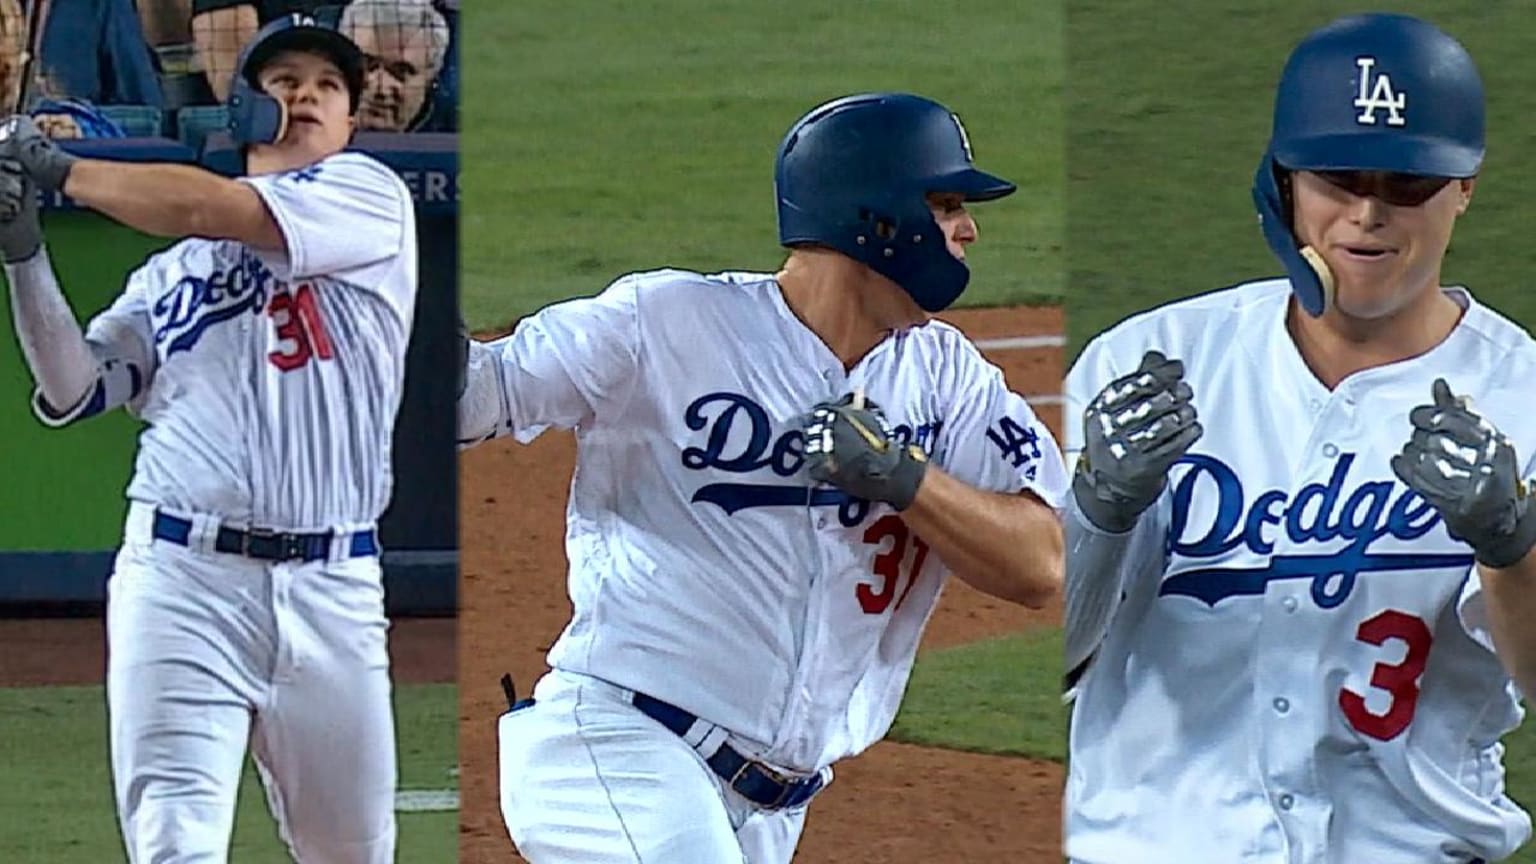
(404, 43)
(94, 52)
(221, 27)
(13, 50)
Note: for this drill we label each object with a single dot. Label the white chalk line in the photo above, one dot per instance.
(1025, 343)
(1019, 343)
(426, 800)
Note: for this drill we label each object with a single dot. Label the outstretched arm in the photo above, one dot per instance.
(168, 200)
(165, 200)
(75, 377)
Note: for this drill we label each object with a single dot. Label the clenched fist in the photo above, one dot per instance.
(848, 443)
(1133, 432)
(44, 161)
(1467, 469)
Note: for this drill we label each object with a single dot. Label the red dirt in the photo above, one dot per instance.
(52, 651)
(896, 802)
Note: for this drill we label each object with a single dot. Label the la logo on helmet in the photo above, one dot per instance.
(1378, 94)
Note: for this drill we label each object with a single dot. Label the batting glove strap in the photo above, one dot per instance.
(1508, 549)
(1108, 509)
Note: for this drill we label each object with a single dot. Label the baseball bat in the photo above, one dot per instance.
(37, 22)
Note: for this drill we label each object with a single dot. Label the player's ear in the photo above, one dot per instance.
(1465, 201)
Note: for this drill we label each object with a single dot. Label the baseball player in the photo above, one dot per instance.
(1298, 568)
(265, 351)
(777, 473)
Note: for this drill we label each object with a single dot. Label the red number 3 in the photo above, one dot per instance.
(1400, 679)
(876, 598)
(299, 324)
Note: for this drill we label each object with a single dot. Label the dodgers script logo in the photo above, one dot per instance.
(752, 449)
(1319, 513)
(1378, 94)
(195, 303)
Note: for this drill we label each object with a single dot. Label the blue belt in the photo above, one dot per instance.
(753, 780)
(266, 545)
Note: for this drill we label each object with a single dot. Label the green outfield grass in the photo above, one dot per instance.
(64, 488)
(989, 697)
(642, 136)
(56, 792)
(1168, 111)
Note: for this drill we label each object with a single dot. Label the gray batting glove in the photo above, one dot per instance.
(44, 161)
(21, 235)
(848, 443)
(1133, 432)
(1467, 469)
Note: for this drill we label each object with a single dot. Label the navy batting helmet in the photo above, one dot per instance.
(1366, 93)
(255, 117)
(854, 175)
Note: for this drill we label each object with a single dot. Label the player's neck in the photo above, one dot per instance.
(1336, 345)
(838, 299)
(274, 159)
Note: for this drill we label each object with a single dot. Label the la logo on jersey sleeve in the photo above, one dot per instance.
(1018, 444)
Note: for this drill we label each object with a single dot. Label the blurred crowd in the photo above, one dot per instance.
(129, 68)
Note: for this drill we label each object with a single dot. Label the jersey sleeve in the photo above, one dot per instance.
(339, 216)
(567, 365)
(122, 340)
(994, 441)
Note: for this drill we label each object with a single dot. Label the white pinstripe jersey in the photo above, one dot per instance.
(1301, 669)
(270, 383)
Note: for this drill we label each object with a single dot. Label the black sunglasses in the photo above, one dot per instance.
(1399, 190)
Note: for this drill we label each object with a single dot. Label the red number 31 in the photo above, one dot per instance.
(876, 598)
(300, 327)
(1400, 679)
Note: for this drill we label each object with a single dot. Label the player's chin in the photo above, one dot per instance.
(1369, 300)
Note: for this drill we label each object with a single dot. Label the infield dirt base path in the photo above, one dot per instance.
(894, 803)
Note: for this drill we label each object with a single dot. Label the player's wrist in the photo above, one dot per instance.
(1506, 550)
(907, 477)
(1105, 509)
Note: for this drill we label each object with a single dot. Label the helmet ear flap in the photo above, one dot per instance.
(1273, 197)
(255, 117)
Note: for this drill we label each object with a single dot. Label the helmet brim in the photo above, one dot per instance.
(975, 185)
(1385, 151)
(321, 41)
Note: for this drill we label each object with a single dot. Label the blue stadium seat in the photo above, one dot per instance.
(195, 122)
(139, 121)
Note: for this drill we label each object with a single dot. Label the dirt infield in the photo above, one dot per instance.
(42, 652)
(894, 803)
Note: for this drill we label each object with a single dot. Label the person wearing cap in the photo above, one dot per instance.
(265, 352)
(1299, 569)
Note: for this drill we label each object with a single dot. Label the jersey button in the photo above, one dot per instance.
(1316, 405)
(1282, 704)
(1289, 603)
(1286, 801)
(1330, 450)
(821, 521)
